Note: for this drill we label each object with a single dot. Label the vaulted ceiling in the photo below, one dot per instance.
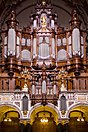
(62, 7)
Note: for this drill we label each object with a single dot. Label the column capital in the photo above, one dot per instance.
(63, 121)
(25, 122)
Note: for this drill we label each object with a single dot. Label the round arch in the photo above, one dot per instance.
(49, 107)
(78, 117)
(78, 106)
(10, 107)
(9, 118)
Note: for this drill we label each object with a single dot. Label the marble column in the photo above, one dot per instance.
(28, 127)
(22, 126)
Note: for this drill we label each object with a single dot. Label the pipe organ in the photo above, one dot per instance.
(44, 52)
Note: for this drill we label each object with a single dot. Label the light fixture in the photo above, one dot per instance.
(44, 119)
(7, 119)
(78, 119)
(81, 118)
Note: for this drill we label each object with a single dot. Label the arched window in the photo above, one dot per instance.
(25, 55)
(25, 103)
(61, 55)
(63, 103)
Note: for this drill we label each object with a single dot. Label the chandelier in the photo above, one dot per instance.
(7, 119)
(44, 120)
(80, 118)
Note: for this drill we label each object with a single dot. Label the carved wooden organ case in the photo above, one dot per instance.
(43, 57)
